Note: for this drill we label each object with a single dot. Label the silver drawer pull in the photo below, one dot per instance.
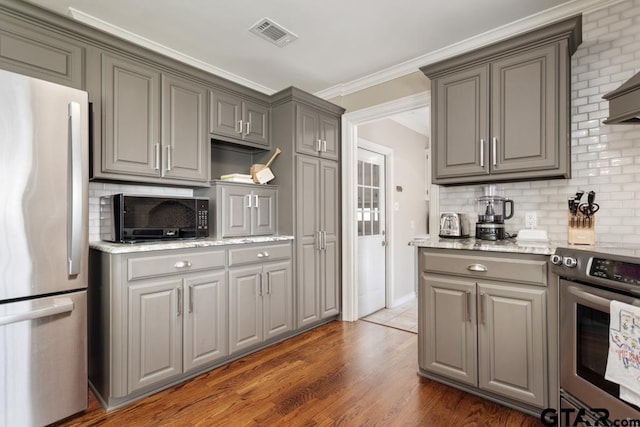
(477, 267)
(183, 264)
(264, 254)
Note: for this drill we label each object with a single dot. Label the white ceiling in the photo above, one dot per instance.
(340, 41)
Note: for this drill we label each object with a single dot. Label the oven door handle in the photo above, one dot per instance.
(596, 300)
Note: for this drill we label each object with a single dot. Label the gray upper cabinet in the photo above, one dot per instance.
(317, 133)
(40, 53)
(237, 119)
(242, 210)
(154, 126)
(502, 112)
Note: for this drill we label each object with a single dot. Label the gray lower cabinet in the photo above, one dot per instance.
(39, 52)
(152, 126)
(483, 325)
(157, 317)
(239, 119)
(242, 210)
(502, 112)
(317, 133)
(260, 295)
(317, 242)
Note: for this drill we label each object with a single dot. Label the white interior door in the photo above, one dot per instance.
(371, 232)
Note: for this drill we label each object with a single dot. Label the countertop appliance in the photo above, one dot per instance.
(454, 225)
(128, 219)
(43, 250)
(589, 280)
(492, 212)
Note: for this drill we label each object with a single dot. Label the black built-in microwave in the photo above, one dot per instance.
(128, 219)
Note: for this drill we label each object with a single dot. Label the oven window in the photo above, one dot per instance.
(593, 347)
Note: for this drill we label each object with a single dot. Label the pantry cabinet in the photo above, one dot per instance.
(152, 125)
(483, 324)
(502, 112)
(240, 119)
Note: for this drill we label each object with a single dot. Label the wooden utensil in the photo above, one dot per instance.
(257, 167)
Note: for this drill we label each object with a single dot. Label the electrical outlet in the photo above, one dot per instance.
(530, 220)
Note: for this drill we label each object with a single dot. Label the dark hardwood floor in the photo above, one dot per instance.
(351, 374)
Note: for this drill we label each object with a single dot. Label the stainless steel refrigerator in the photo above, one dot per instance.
(43, 250)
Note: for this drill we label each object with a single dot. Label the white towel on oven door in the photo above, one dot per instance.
(623, 361)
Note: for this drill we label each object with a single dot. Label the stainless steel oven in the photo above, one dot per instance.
(589, 281)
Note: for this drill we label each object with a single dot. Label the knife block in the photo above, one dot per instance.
(582, 230)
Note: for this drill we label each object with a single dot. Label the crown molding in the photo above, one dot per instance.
(532, 22)
(107, 27)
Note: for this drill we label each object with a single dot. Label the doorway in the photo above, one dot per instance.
(372, 226)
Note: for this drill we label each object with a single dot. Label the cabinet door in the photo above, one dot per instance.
(235, 211)
(245, 307)
(330, 136)
(263, 213)
(461, 119)
(330, 226)
(307, 239)
(225, 115)
(256, 118)
(512, 342)
(524, 107)
(131, 117)
(307, 130)
(448, 343)
(277, 295)
(38, 53)
(205, 319)
(154, 333)
(185, 140)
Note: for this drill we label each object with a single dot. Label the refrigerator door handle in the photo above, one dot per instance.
(60, 305)
(74, 221)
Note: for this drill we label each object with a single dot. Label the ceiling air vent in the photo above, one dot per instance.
(273, 32)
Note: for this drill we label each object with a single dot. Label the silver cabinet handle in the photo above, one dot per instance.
(481, 307)
(494, 142)
(248, 196)
(324, 145)
(482, 153)
(169, 161)
(269, 282)
(247, 128)
(179, 302)
(260, 289)
(477, 267)
(318, 240)
(182, 264)
(264, 254)
(239, 127)
(74, 195)
(256, 200)
(156, 156)
(60, 305)
(190, 298)
(324, 240)
(467, 302)
(319, 145)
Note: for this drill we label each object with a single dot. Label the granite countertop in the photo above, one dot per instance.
(121, 248)
(506, 245)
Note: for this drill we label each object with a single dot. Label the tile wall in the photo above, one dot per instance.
(98, 189)
(605, 158)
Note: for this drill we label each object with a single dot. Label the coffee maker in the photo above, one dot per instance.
(492, 211)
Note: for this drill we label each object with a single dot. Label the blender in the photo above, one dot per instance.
(492, 210)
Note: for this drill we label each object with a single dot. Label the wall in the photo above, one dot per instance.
(605, 158)
(384, 92)
(410, 217)
(99, 189)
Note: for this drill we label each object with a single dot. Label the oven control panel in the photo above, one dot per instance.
(619, 271)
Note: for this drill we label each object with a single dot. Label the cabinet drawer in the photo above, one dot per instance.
(259, 253)
(141, 268)
(515, 270)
